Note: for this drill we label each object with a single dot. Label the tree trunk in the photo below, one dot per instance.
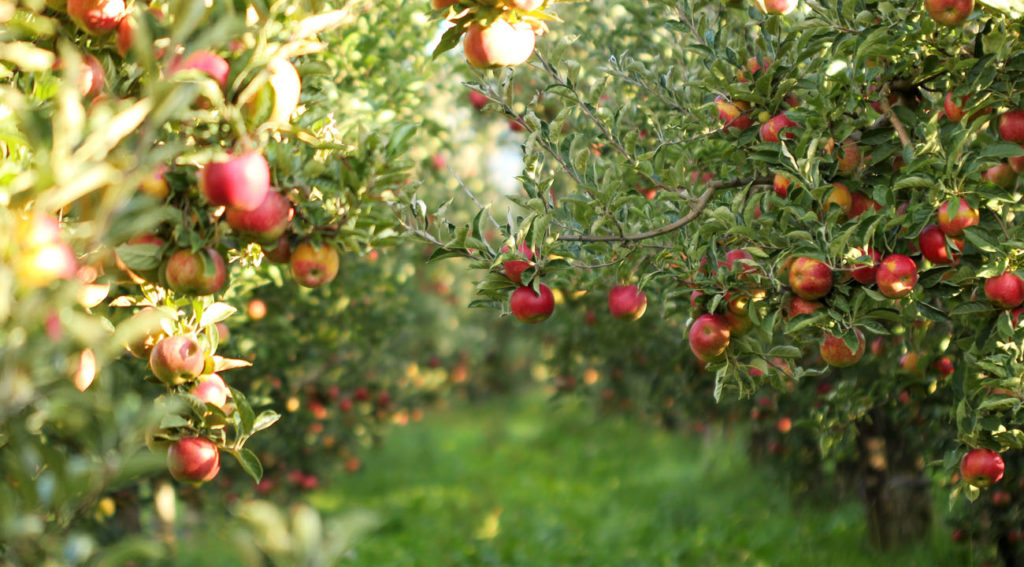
(896, 494)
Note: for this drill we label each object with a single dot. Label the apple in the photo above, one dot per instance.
(177, 359)
(91, 78)
(861, 203)
(865, 273)
(962, 218)
(41, 265)
(238, 181)
(223, 334)
(531, 307)
(96, 17)
(313, 266)
(949, 12)
(514, 268)
(982, 467)
(800, 306)
(266, 223)
(627, 302)
(810, 278)
(839, 196)
(771, 129)
(911, 363)
(932, 242)
(849, 157)
(193, 459)
(478, 100)
(781, 185)
(896, 276)
(953, 112)
(195, 273)
(256, 309)
(155, 185)
(734, 256)
(753, 65)
(1005, 291)
(500, 44)
(709, 336)
(835, 352)
(155, 245)
(211, 389)
(281, 252)
(125, 34)
(1002, 175)
(213, 65)
(1001, 498)
(441, 4)
(148, 331)
(275, 101)
(1011, 126)
(775, 7)
(944, 366)
(733, 114)
(784, 425)
(739, 323)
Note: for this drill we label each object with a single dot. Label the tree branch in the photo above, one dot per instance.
(897, 124)
(698, 206)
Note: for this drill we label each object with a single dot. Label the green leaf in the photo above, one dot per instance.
(264, 420)
(250, 463)
(247, 417)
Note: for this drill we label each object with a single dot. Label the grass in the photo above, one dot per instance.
(527, 483)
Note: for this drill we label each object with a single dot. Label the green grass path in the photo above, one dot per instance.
(527, 483)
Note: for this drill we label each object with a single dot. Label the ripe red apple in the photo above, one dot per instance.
(861, 203)
(775, 7)
(213, 65)
(256, 309)
(772, 129)
(1001, 175)
(733, 114)
(753, 65)
(839, 196)
(499, 45)
(739, 323)
(1001, 498)
(709, 337)
(849, 157)
(896, 276)
(734, 256)
(963, 217)
(865, 273)
(1005, 291)
(40, 265)
(932, 242)
(313, 266)
(193, 459)
(944, 366)
(196, 273)
(177, 359)
(1011, 126)
(953, 112)
(781, 185)
(239, 181)
(949, 12)
(514, 268)
(125, 34)
(531, 307)
(835, 352)
(211, 389)
(982, 467)
(96, 17)
(627, 302)
(91, 78)
(800, 306)
(281, 253)
(478, 100)
(784, 425)
(264, 224)
(810, 278)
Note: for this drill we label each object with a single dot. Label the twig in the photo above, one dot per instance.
(897, 124)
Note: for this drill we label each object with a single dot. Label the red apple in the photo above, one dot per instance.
(281, 253)
(775, 7)
(753, 65)
(40, 265)
(213, 65)
(709, 336)
(211, 389)
(499, 45)
(441, 4)
(1011, 126)
(177, 359)
(1016, 163)
(125, 34)
(800, 306)
(193, 459)
(781, 185)
(982, 467)
(256, 309)
(944, 366)
(96, 17)
(1005, 291)
(839, 196)
(733, 257)
(963, 217)
(949, 12)
(953, 112)
(733, 114)
(861, 203)
(514, 268)
(196, 273)
(896, 276)
(865, 274)
(1001, 175)
(92, 77)
(772, 129)
(835, 352)
(264, 224)
(932, 242)
(531, 307)
(849, 157)
(784, 425)
(810, 278)
(627, 302)
(313, 266)
(478, 100)
(239, 181)
(1001, 498)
